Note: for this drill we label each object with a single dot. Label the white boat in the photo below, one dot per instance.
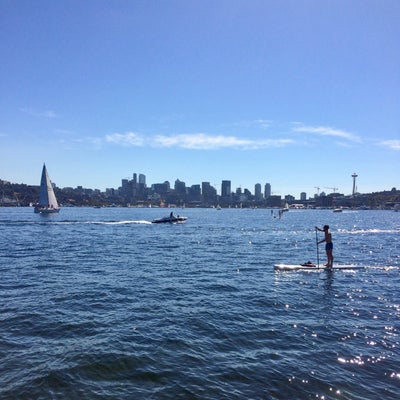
(47, 199)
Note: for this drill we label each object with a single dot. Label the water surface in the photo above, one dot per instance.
(101, 304)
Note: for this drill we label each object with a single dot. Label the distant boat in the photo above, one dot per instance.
(47, 199)
(172, 219)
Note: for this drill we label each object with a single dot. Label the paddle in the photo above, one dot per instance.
(316, 240)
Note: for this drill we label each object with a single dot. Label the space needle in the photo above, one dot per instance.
(354, 176)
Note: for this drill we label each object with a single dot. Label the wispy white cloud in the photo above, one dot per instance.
(195, 141)
(200, 141)
(126, 139)
(391, 144)
(40, 113)
(326, 131)
(204, 141)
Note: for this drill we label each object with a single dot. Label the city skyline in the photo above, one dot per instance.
(141, 178)
(136, 192)
(224, 188)
(299, 94)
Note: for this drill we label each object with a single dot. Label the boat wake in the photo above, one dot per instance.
(127, 222)
(124, 222)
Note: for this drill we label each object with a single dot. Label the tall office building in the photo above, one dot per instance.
(142, 179)
(125, 188)
(257, 191)
(141, 187)
(180, 187)
(195, 192)
(226, 189)
(267, 190)
(208, 192)
(134, 186)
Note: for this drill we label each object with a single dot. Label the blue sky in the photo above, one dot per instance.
(298, 93)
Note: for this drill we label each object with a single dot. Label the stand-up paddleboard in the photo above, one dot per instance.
(313, 267)
(309, 266)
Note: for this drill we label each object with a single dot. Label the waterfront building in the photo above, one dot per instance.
(257, 192)
(226, 194)
(289, 198)
(274, 201)
(209, 193)
(226, 189)
(267, 190)
(195, 193)
(180, 187)
(161, 188)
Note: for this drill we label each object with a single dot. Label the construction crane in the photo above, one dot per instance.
(332, 188)
(317, 187)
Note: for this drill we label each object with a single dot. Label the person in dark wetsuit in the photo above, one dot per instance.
(328, 244)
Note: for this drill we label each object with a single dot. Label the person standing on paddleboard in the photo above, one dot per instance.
(328, 244)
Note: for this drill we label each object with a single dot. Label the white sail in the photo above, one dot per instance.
(47, 199)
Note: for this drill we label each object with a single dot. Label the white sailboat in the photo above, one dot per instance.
(47, 199)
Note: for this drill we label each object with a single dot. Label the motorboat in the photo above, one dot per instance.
(171, 219)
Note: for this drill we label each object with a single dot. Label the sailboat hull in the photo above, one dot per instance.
(39, 210)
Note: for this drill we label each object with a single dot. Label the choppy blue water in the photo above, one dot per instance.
(101, 304)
